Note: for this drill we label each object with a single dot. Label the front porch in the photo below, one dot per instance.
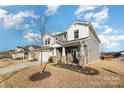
(67, 54)
(70, 54)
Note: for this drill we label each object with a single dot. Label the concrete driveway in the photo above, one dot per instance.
(17, 67)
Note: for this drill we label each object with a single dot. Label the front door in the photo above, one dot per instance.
(75, 55)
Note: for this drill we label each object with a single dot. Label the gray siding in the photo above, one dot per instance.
(60, 37)
(94, 53)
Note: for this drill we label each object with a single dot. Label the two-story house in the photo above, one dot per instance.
(20, 53)
(78, 38)
(33, 53)
(30, 52)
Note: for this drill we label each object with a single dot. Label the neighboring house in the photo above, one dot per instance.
(121, 56)
(34, 52)
(29, 52)
(6, 54)
(122, 53)
(65, 47)
(21, 53)
(108, 54)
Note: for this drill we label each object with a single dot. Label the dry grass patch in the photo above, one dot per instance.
(59, 77)
(8, 61)
(112, 66)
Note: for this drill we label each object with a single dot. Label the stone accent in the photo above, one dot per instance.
(54, 52)
(63, 59)
(55, 59)
(69, 58)
(82, 61)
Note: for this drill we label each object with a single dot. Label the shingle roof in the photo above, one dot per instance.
(26, 48)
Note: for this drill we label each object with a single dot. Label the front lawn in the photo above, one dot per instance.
(61, 76)
(9, 61)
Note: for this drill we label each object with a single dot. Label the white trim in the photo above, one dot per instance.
(54, 52)
(63, 51)
(55, 45)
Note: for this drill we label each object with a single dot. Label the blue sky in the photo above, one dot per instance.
(18, 24)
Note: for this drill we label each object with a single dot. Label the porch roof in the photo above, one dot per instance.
(75, 42)
(68, 43)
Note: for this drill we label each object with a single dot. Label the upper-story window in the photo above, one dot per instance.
(76, 34)
(65, 35)
(55, 38)
(47, 41)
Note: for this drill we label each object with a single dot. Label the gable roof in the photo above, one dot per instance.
(26, 48)
(78, 22)
(87, 24)
(57, 43)
(34, 46)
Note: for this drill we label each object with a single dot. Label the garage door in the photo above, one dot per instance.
(46, 56)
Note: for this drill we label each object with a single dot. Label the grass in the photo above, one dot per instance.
(113, 66)
(8, 61)
(66, 77)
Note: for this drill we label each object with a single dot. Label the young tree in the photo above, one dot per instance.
(43, 21)
(41, 24)
(42, 27)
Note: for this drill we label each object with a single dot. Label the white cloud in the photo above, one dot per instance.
(98, 18)
(107, 43)
(51, 9)
(96, 24)
(87, 16)
(113, 38)
(32, 36)
(114, 45)
(107, 30)
(102, 15)
(16, 21)
(117, 38)
(2, 6)
(2, 13)
(111, 30)
(111, 41)
(83, 8)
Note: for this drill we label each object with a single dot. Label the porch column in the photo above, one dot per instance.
(54, 52)
(40, 56)
(23, 55)
(63, 59)
(54, 56)
(63, 51)
(82, 61)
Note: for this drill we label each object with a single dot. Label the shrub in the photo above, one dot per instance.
(102, 57)
(50, 59)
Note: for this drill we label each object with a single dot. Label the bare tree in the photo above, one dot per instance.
(39, 40)
(43, 21)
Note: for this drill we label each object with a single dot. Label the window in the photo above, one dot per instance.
(65, 36)
(48, 40)
(76, 34)
(56, 38)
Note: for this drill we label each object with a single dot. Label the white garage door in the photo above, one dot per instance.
(46, 56)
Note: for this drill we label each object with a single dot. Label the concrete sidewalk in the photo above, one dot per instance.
(17, 67)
